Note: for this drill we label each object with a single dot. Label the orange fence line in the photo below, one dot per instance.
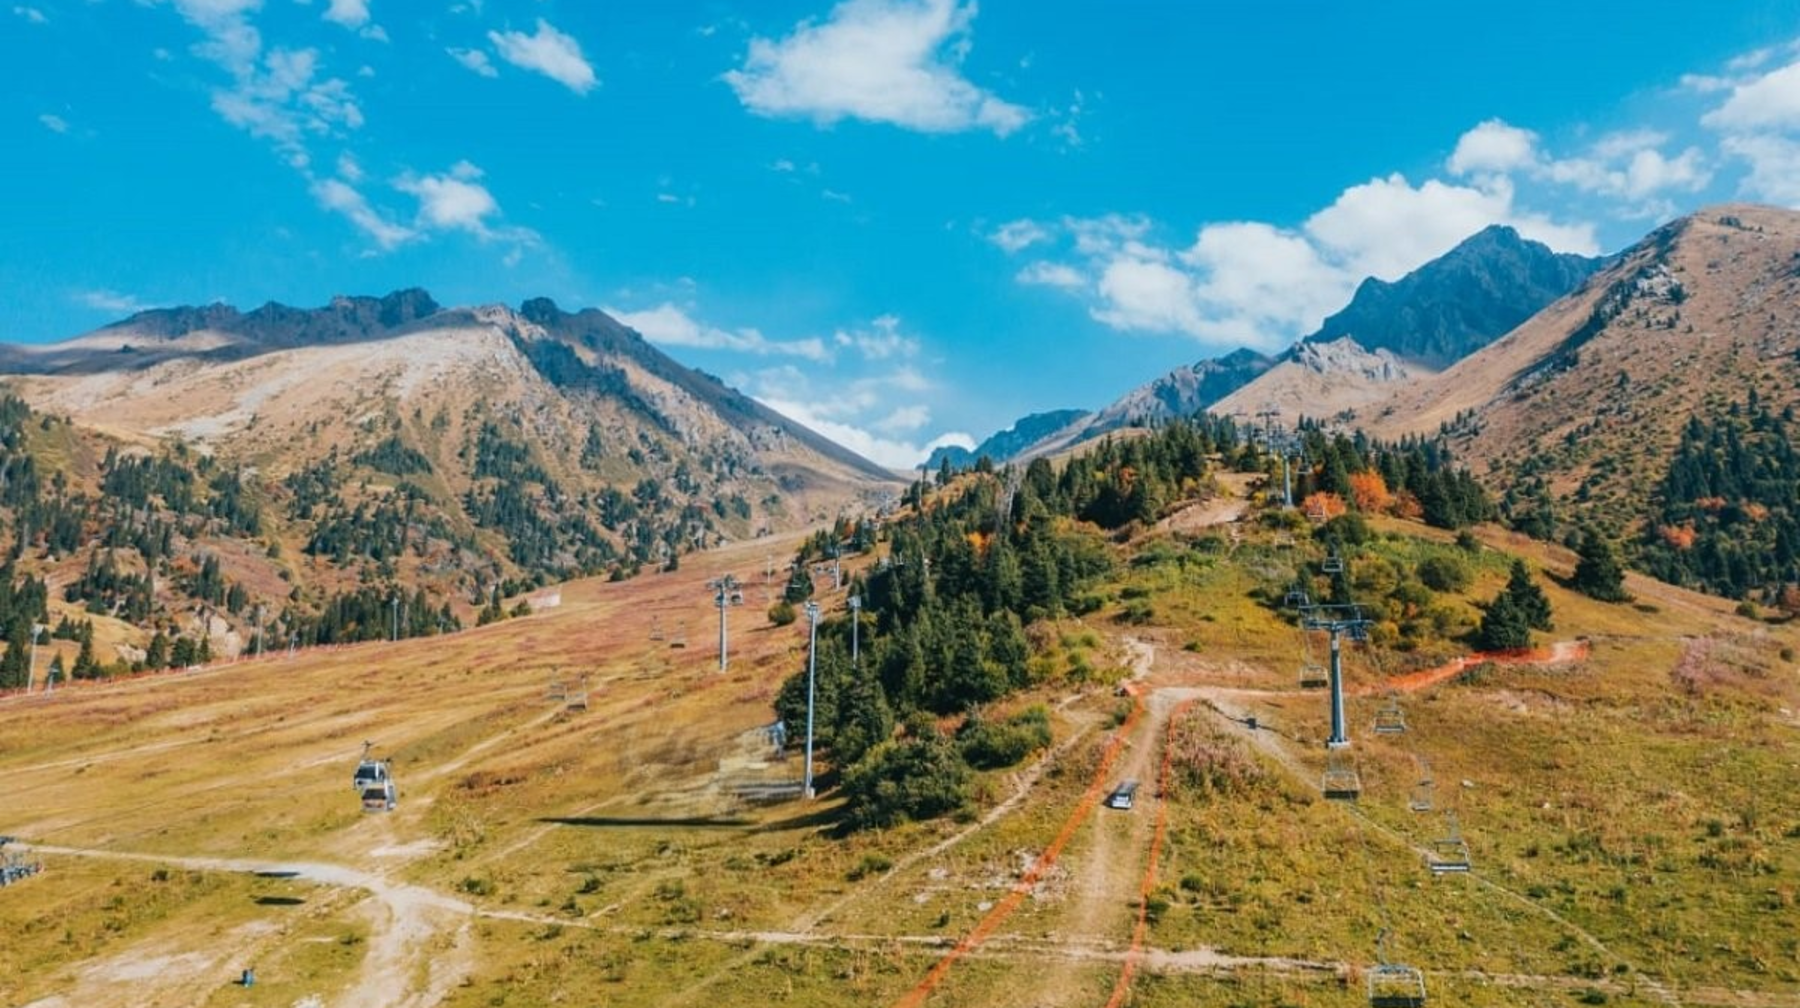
(1022, 888)
(1413, 681)
(1138, 933)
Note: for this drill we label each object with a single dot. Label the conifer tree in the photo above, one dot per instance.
(1598, 574)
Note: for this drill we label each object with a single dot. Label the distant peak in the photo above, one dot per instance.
(540, 311)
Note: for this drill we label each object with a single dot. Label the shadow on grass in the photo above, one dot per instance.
(279, 901)
(628, 822)
(821, 818)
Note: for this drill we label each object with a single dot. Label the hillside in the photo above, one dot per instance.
(554, 850)
(378, 446)
(1580, 409)
(1322, 380)
(1003, 446)
(1459, 302)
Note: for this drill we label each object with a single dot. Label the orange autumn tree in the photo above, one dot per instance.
(1370, 492)
(1323, 505)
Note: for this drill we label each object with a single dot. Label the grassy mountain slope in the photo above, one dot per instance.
(1625, 845)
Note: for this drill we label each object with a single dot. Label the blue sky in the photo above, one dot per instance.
(901, 221)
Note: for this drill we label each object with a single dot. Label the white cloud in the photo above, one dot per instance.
(904, 418)
(54, 123)
(1759, 126)
(1774, 163)
(889, 451)
(1768, 102)
(670, 325)
(1386, 226)
(1145, 294)
(549, 52)
(1050, 274)
(890, 61)
(1493, 146)
(475, 60)
(349, 167)
(454, 200)
(1628, 166)
(349, 13)
(1016, 236)
(111, 301)
(1256, 284)
(31, 14)
(341, 197)
(277, 99)
(882, 340)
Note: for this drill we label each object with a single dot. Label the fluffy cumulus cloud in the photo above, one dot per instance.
(54, 123)
(349, 13)
(1493, 146)
(548, 52)
(889, 61)
(453, 201)
(1256, 284)
(1630, 168)
(670, 325)
(1758, 122)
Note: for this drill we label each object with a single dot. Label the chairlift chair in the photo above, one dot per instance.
(1332, 564)
(656, 630)
(380, 797)
(1314, 676)
(1296, 599)
(1449, 854)
(1420, 799)
(557, 690)
(369, 771)
(1392, 985)
(678, 641)
(1390, 719)
(1340, 781)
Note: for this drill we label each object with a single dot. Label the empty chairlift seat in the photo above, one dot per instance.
(1449, 854)
(1333, 564)
(1314, 676)
(1340, 781)
(1390, 719)
(380, 797)
(1393, 985)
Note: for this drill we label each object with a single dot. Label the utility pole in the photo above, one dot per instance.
(37, 630)
(812, 672)
(396, 608)
(723, 590)
(855, 626)
(1337, 620)
(1292, 451)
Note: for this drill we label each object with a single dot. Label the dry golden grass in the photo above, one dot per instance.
(540, 853)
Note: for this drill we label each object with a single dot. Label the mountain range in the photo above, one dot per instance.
(1389, 334)
(291, 458)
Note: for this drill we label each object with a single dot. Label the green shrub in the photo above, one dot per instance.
(914, 778)
(782, 613)
(1445, 573)
(989, 746)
